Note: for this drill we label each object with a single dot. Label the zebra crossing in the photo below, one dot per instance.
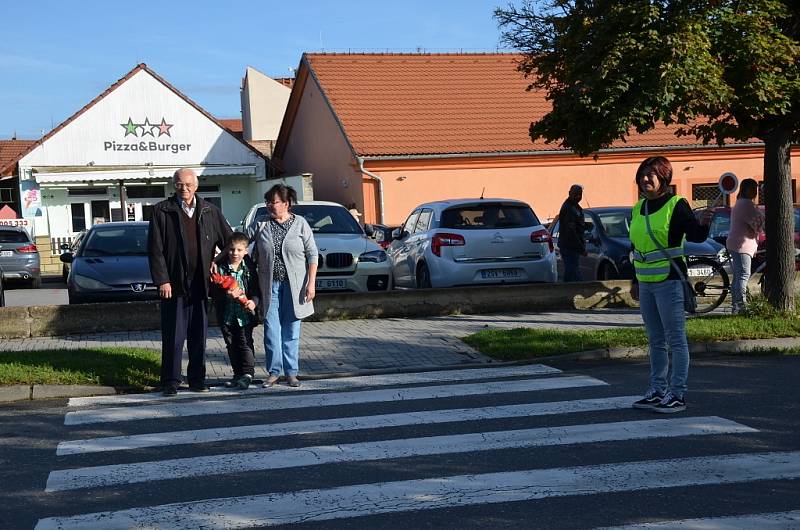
(145, 443)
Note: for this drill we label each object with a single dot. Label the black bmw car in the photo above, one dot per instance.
(110, 265)
(608, 245)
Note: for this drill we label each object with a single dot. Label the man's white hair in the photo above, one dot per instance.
(179, 172)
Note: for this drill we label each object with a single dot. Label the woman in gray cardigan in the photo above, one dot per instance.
(286, 257)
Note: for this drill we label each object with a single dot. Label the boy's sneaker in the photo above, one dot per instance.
(650, 400)
(670, 404)
(244, 381)
(234, 382)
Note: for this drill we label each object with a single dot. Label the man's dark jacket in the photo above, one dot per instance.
(166, 242)
(571, 227)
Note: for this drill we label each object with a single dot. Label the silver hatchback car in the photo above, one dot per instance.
(471, 242)
(19, 257)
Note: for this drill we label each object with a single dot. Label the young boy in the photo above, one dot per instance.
(237, 320)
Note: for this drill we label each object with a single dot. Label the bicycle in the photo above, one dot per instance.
(709, 280)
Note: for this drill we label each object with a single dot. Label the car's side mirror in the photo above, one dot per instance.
(66, 257)
(64, 246)
(369, 230)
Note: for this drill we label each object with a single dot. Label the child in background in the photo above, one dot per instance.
(237, 320)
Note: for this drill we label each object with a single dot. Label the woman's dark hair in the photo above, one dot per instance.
(658, 165)
(283, 192)
(748, 187)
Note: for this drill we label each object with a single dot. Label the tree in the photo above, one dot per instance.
(722, 70)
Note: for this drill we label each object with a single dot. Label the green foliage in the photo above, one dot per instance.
(725, 70)
(124, 367)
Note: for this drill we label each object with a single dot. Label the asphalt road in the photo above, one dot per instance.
(535, 449)
(51, 293)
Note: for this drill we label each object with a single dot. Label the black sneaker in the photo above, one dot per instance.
(233, 382)
(170, 390)
(199, 388)
(670, 404)
(650, 400)
(244, 381)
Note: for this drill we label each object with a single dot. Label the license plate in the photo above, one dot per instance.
(500, 273)
(700, 271)
(6, 253)
(331, 284)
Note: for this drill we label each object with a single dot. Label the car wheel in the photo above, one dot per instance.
(423, 277)
(606, 272)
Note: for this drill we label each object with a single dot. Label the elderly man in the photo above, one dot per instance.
(571, 232)
(184, 231)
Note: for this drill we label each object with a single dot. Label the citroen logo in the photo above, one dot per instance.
(137, 287)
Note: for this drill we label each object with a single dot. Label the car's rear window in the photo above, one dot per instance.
(13, 236)
(488, 216)
(323, 218)
(616, 224)
(116, 241)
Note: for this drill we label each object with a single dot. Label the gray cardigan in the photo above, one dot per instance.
(299, 250)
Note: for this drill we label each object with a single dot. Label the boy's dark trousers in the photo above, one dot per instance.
(239, 341)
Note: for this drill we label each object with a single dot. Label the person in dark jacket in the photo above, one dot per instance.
(236, 308)
(183, 234)
(570, 234)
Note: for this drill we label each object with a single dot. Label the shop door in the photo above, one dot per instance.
(101, 213)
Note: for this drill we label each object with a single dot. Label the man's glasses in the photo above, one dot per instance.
(180, 186)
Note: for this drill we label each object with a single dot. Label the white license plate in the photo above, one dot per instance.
(500, 273)
(700, 271)
(6, 253)
(331, 284)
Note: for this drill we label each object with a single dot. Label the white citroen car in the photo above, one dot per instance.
(349, 261)
(471, 242)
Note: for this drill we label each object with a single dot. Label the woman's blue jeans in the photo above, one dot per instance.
(282, 332)
(661, 304)
(741, 273)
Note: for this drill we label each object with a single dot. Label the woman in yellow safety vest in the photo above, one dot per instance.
(657, 253)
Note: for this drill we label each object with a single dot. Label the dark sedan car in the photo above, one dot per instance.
(608, 245)
(111, 265)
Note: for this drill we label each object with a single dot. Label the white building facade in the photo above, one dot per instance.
(114, 159)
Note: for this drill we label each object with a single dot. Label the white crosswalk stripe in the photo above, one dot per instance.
(419, 421)
(339, 383)
(762, 521)
(445, 492)
(298, 401)
(92, 477)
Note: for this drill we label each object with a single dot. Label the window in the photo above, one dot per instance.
(102, 190)
(411, 222)
(78, 212)
(6, 195)
(208, 188)
(707, 196)
(488, 216)
(144, 192)
(423, 221)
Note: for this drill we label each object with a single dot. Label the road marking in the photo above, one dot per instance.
(300, 400)
(765, 521)
(139, 441)
(103, 476)
(444, 492)
(340, 383)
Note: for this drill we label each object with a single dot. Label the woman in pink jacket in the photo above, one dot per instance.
(747, 222)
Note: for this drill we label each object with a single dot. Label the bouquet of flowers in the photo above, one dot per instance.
(228, 283)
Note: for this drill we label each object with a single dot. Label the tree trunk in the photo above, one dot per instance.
(780, 220)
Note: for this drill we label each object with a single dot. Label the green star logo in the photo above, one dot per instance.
(130, 127)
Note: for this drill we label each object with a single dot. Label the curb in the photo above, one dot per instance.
(700, 349)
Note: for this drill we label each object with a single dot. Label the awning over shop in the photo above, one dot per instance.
(138, 174)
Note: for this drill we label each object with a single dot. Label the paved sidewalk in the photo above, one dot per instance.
(348, 346)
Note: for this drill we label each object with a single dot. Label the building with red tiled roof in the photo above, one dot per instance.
(10, 151)
(389, 131)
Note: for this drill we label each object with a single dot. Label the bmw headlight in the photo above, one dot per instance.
(89, 284)
(373, 256)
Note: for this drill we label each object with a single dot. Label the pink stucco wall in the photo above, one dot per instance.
(543, 181)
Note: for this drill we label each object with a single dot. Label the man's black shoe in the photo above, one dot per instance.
(234, 382)
(199, 388)
(170, 391)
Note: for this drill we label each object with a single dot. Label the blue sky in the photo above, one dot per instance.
(56, 56)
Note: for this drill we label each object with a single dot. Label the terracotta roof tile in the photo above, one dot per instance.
(10, 151)
(427, 104)
(234, 125)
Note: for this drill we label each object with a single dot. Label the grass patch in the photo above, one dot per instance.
(137, 368)
(525, 343)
